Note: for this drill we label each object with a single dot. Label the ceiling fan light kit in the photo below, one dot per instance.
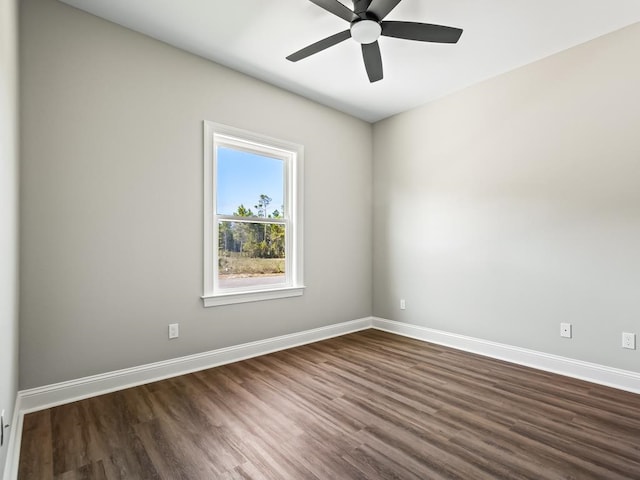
(365, 31)
(366, 27)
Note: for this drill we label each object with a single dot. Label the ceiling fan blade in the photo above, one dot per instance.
(382, 8)
(423, 32)
(319, 46)
(360, 7)
(335, 7)
(372, 61)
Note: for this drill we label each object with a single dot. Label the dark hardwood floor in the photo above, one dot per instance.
(369, 405)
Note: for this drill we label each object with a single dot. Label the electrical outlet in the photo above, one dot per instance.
(565, 330)
(629, 340)
(174, 330)
(403, 304)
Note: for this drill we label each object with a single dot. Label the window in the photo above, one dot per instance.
(252, 216)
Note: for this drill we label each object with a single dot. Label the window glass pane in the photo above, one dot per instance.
(250, 254)
(249, 184)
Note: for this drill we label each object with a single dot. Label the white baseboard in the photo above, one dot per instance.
(65, 392)
(590, 372)
(15, 439)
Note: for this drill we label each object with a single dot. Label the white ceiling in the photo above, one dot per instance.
(255, 36)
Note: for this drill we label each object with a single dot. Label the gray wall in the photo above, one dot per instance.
(8, 214)
(514, 205)
(499, 211)
(111, 200)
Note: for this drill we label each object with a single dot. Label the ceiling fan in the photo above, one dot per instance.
(367, 24)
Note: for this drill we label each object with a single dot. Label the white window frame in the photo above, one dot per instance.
(292, 154)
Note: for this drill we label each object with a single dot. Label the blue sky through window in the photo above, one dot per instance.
(242, 177)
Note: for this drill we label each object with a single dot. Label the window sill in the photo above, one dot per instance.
(255, 296)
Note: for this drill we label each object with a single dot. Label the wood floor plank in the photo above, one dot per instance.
(369, 405)
(36, 458)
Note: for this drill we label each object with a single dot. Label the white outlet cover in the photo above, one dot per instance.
(565, 330)
(174, 330)
(629, 340)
